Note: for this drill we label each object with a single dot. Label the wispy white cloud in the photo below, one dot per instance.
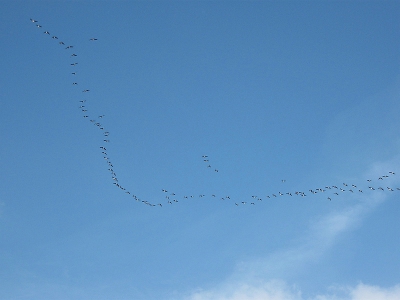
(275, 290)
(368, 292)
(324, 232)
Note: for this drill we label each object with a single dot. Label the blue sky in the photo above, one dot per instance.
(283, 98)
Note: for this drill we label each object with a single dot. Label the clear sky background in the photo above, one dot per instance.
(282, 97)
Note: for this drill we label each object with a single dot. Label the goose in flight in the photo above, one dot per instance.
(38, 25)
(33, 21)
(46, 32)
(93, 39)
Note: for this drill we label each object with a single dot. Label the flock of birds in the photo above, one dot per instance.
(329, 191)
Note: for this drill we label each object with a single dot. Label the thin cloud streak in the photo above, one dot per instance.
(322, 234)
(275, 290)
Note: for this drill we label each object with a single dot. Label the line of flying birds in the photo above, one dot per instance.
(329, 191)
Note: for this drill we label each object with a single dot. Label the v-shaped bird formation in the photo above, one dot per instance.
(329, 192)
